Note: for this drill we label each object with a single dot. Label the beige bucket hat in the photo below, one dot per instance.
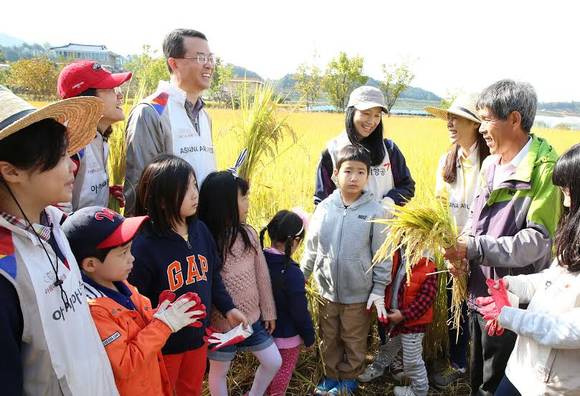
(79, 115)
(462, 106)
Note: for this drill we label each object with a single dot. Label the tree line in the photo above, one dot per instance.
(36, 78)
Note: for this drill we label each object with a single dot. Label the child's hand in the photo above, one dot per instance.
(270, 325)
(235, 317)
(379, 302)
(395, 316)
(178, 314)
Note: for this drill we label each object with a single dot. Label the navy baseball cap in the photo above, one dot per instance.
(92, 228)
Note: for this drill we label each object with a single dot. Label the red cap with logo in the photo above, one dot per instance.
(79, 76)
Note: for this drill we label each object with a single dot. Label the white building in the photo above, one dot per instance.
(99, 53)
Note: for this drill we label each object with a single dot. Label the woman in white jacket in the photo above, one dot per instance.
(546, 357)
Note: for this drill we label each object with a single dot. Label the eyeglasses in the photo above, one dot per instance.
(200, 58)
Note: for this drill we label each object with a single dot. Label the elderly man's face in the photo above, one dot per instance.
(497, 133)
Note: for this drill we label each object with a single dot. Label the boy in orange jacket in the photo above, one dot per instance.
(410, 303)
(132, 332)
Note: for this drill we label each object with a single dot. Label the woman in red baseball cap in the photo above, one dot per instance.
(89, 78)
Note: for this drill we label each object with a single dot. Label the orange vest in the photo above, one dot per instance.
(411, 289)
(133, 341)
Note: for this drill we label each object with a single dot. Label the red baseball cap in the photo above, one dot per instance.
(77, 77)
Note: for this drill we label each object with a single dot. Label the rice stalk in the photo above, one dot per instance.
(261, 128)
(420, 227)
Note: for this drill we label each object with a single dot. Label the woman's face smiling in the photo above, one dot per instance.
(366, 121)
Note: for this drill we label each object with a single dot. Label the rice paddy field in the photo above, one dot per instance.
(287, 181)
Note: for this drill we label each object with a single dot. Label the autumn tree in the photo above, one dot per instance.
(308, 83)
(343, 74)
(397, 78)
(222, 74)
(36, 77)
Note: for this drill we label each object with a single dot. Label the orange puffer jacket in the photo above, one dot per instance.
(411, 289)
(133, 341)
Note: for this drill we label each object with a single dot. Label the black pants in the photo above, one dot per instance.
(489, 356)
(506, 388)
(458, 345)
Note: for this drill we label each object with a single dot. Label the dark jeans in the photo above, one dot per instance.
(506, 388)
(458, 345)
(489, 356)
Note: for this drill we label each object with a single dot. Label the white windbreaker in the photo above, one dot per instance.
(546, 357)
(62, 352)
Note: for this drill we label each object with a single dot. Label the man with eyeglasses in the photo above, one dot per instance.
(513, 219)
(173, 119)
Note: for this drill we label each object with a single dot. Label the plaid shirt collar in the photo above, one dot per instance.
(43, 229)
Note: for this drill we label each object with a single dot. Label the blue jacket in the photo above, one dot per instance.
(168, 262)
(290, 297)
(404, 184)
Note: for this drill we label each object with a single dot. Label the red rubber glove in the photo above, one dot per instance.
(170, 296)
(117, 192)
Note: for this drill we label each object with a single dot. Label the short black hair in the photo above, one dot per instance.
(161, 190)
(99, 254)
(353, 153)
(173, 43)
(39, 146)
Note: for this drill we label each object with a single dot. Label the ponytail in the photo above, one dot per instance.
(285, 227)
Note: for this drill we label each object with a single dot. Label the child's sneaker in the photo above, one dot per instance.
(397, 371)
(344, 388)
(403, 391)
(325, 385)
(377, 368)
(446, 377)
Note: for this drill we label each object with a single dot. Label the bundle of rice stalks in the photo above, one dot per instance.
(260, 129)
(419, 227)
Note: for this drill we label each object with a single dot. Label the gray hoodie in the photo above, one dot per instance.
(340, 245)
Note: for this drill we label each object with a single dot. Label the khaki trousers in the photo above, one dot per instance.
(343, 333)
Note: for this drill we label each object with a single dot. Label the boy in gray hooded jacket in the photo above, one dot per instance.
(340, 246)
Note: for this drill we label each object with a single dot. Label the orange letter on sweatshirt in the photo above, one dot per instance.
(174, 275)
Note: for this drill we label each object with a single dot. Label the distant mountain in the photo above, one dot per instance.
(9, 41)
(413, 93)
(570, 108)
(242, 72)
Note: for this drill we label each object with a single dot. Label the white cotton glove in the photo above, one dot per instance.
(389, 206)
(175, 314)
(379, 303)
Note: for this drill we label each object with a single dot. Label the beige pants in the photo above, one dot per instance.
(343, 333)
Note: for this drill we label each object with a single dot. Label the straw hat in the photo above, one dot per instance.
(79, 115)
(462, 106)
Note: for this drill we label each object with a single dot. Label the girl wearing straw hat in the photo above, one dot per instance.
(49, 343)
(456, 181)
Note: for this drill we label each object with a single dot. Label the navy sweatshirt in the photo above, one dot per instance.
(290, 297)
(404, 188)
(168, 262)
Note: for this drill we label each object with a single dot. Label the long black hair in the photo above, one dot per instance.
(373, 143)
(567, 175)
(161, 190)
(285, 227)
(218, 209)
(450, 167)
